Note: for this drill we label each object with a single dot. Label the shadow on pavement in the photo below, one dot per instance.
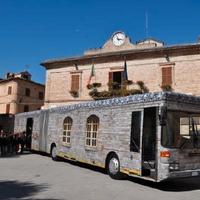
(18, 190)
(14, 155)
(176, 185)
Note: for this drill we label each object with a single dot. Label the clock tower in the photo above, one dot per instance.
(118, 38)
(118, 41)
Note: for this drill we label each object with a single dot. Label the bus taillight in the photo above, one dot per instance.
(164, 154)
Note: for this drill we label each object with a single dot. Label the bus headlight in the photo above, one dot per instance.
(173, 166)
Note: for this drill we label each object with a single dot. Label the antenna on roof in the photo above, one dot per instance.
(198, 39)
(146, 24)
(27, 67)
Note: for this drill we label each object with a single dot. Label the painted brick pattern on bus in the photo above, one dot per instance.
(114, 130)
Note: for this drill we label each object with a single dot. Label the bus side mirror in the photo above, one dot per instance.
(163, 116)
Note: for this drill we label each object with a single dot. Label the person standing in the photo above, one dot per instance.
(1, 143)
(16, 143)
(4, 144)
(22, 141)
(11, 139)
(8, 145)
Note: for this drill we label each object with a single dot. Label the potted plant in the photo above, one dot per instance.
(74, 93)
(166, 88)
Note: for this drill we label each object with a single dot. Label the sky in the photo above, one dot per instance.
(32, 31)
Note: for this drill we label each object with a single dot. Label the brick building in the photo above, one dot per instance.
(149, 60)
(18, 93)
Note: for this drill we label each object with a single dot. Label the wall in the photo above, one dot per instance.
(7, 123)
(17, 99)
(5, 98)
(33, 101)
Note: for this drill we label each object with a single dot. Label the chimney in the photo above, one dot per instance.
(9, 75)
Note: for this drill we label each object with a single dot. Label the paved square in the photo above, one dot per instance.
(33, 176)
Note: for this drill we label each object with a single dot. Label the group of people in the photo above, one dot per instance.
(12, 143)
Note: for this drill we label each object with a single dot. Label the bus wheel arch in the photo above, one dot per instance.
(53, 152)
(112, 165)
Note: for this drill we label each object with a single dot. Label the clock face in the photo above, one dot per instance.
(118, 38)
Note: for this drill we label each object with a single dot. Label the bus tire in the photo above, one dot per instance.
(54, 153)
(113, 167)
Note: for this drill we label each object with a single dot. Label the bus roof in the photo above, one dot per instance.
(132, 99)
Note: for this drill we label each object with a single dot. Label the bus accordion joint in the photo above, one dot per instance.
(164, 154)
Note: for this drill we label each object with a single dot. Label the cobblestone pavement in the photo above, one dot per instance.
(33, 176)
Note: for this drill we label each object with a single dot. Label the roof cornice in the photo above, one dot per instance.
(20, 79)
(156, 52)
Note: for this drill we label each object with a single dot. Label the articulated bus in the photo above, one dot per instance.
(154, 136)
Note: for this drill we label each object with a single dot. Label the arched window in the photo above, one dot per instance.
(92, 131)
(67, 127)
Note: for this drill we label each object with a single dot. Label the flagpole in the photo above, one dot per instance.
(146, 25)
(94, 70)
(125, 70)
(92, 73)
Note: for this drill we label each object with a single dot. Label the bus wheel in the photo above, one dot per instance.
(113, 167)
(54, 153)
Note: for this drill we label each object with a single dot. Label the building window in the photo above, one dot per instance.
(166, 76)
(92, 131)
(75, 82)
(26, 108)
(7, 108)
(27, 92)
(67, 127)
(41, 95)
(9, 90)
(116, 80)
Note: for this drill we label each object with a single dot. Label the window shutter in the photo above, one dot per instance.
(122, 75)
(110, 80)
(166, 75)
(7, 108)
(9, 90)
(123, 79)
(27, 92)
(41, 95)
(26, 108)
(110, 77)
(75, 82)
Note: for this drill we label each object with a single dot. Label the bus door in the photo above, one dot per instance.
(135, 141)
(149, 143)
(44, 119)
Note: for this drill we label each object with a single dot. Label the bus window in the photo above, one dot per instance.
(92, 131)
(135, 131)
(181, 130)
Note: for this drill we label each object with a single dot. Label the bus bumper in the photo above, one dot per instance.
(183, 174)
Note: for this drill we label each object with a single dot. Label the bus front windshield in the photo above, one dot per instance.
(181, 130)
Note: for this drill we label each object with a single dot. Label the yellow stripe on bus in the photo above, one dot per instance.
(70, 156)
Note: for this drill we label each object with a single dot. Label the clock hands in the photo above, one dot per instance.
(118, 38)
